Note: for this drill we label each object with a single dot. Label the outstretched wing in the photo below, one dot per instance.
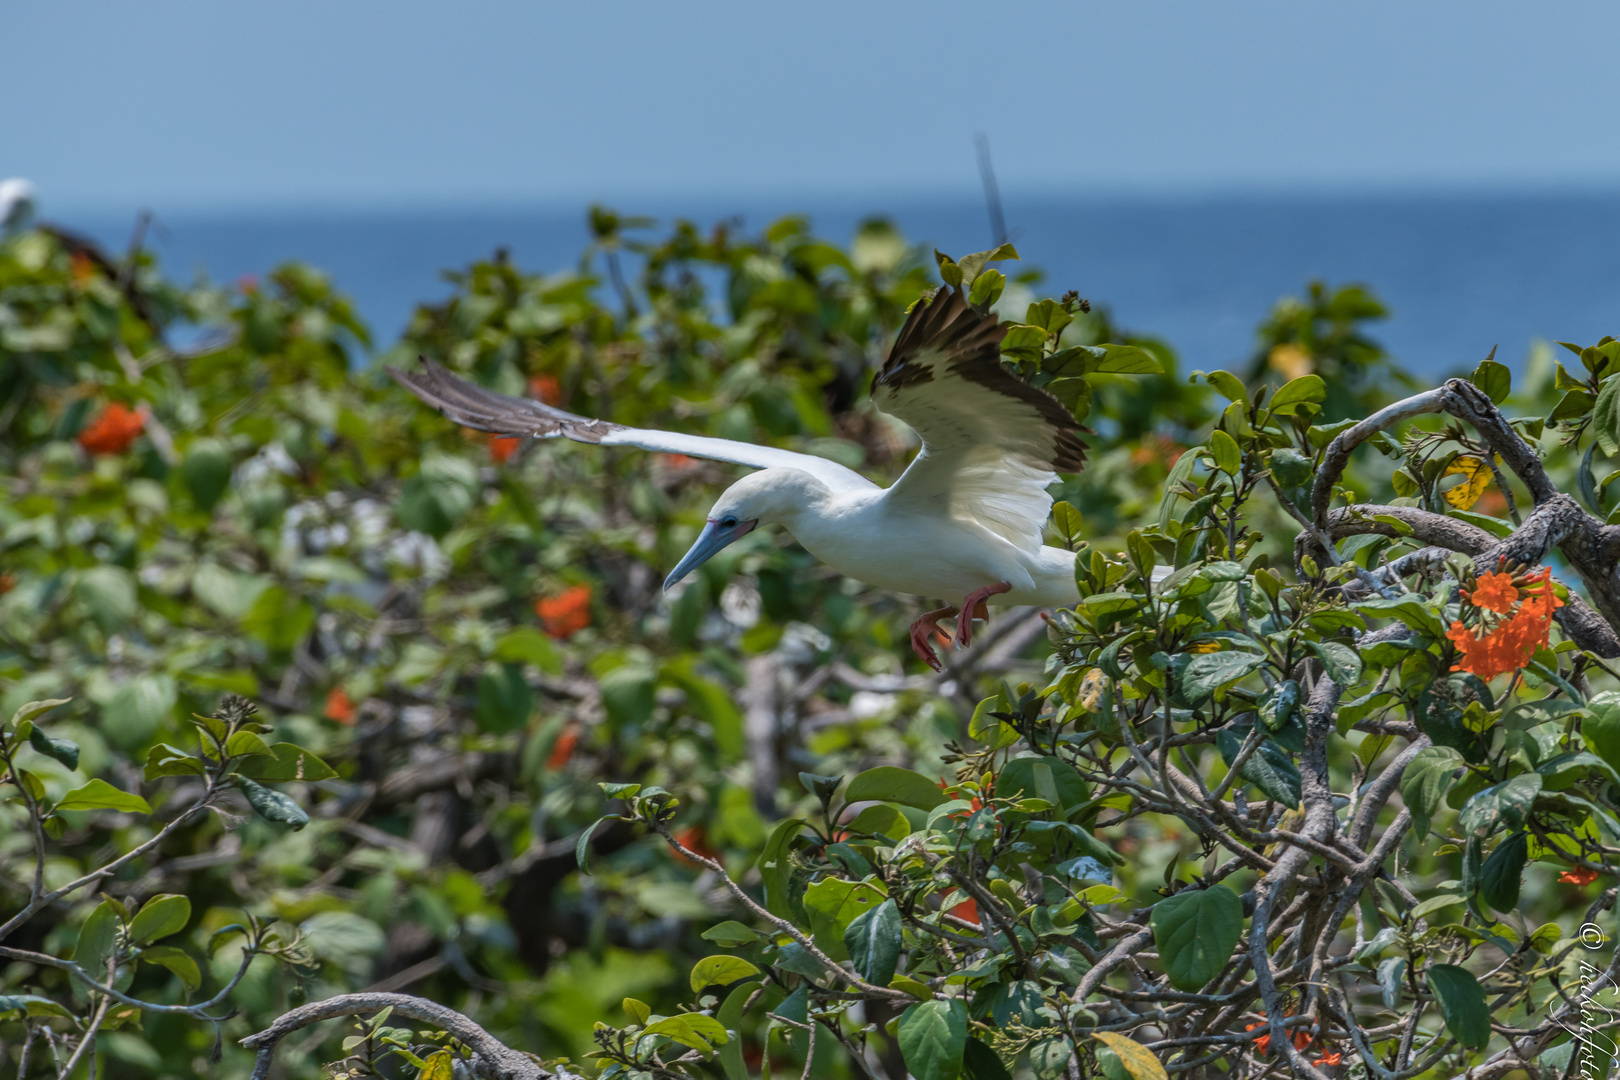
(474, 406)
(992, 443)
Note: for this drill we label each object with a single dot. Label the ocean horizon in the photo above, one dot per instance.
(1460, 271)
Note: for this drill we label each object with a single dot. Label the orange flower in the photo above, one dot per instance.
(1329, 1059)
(1580, 875)
(1494, 592)
(563, 749)
(84, 269)
(502, 447)
(114, 429)
(1262, 1043)
(338, 706)
(546, 389)
(1513, 641)
(567, 613)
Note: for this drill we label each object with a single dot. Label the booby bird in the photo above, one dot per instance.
(964, 519)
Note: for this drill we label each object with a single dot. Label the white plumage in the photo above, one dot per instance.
(965, 518)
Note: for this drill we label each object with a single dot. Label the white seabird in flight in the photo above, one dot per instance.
(964, 519)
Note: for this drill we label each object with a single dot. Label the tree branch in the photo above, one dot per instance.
(492, 1059)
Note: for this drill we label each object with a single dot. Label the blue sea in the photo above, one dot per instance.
(1459, 272)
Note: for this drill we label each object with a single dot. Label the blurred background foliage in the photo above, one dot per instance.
(215, 489)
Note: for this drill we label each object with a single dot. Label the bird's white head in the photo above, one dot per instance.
(767, 497)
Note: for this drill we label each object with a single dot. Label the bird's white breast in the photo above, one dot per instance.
(866, 538)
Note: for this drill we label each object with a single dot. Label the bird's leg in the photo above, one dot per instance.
(974, 607)
(927, 626)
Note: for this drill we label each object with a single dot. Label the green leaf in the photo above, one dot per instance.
(1124, 360)
(1291, 468)
(287, 761)
(206, 471)
(979, 1062)
(1271, 768)
(874, 940)
(933, 1037)
(65, 751)
(1226, 384)
(245, 744)
(730, 1015)
(1499, 877)
(1462, 1004)
(504, 699)
(1509, 802)
(166, 760)
(1209, 672)
(30, 1005)
(1068, 522)
(987, 289)
(1428, 776)
(526, 645)
(108, 595)
(1196, 931)
(98, 937)
(730, 933)
(1493, 378)
(177, 961)
(1606, 416)
(100, 795)
(582, 847)
(164, 914)
(1601, 730)
(1224, 449)
(892, 784)
(1391, 974)
(832, 904)
(1049, 778)
(1137, 1059)
(776, 866)
(36, 708)
(272, 805)
(444, 489)
(1343, 663)
(720, 970)
(1305, 390)
(973, 265)
(693, 1030)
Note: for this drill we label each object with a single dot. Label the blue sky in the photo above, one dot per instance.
(344, 103)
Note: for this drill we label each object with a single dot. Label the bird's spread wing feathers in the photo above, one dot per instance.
(992, 443)
(474, 406)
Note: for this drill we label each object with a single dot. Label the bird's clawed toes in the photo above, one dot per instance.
(927, 626)
(975, 606)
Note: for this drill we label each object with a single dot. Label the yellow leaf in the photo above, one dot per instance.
(1092, 688)
(1290, 361)
(439, 1066)
(1476, 478)
(1137, 1059)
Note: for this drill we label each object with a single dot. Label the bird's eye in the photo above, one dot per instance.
(728, 523)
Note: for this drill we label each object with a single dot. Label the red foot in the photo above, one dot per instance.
(927, 626)
(975, 607)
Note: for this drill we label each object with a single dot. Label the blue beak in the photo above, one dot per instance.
(709, 542)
